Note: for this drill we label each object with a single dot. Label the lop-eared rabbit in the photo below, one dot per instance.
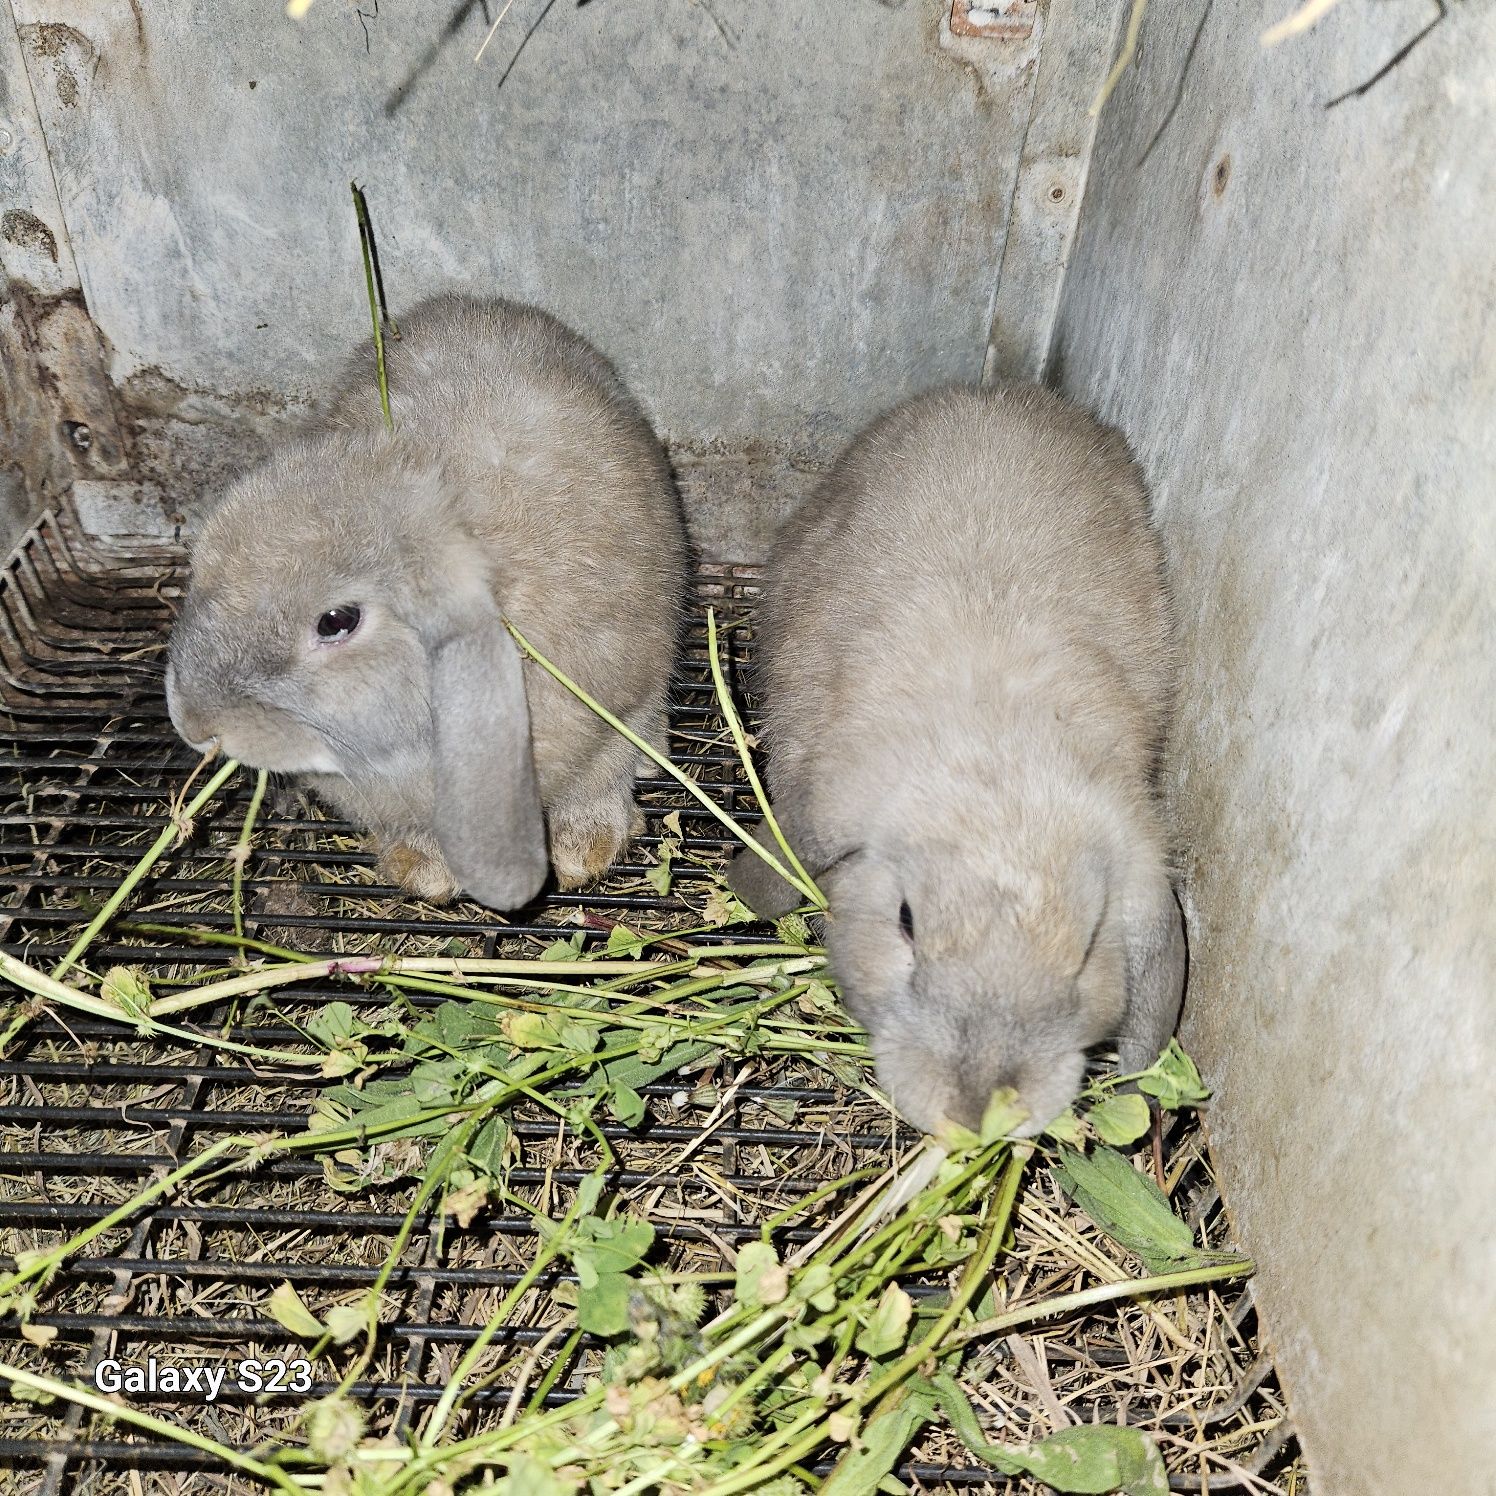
(345, 619)
(967, 663)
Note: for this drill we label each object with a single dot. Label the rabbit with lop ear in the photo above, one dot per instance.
(345, 619)
(968, 663)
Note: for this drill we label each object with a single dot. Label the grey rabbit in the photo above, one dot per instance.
(344, 622)
(968, 663)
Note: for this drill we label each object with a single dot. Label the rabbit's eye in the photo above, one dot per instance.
(338, 623)
(906, 921)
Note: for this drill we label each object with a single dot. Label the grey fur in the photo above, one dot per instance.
(521, 480)
(968, 664)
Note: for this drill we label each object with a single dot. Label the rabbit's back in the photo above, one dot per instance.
(974, 549)
(565, 484)
(493, 383)
(483, 353)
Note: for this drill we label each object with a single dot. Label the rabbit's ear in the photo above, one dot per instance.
(758, 885)
(1157, 958)
(488, 818)
(1090, 901)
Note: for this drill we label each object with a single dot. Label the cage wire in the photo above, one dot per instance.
(91, 1112)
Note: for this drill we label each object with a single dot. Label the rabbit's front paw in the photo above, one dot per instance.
(419, 872)
(582, 850)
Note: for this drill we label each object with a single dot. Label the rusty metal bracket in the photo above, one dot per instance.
(995, 20)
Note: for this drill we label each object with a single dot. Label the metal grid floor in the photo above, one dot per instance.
(90, 1114)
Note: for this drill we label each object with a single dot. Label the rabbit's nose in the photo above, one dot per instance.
(978, 1079)
(973, 1093)
(190, 726)
(1045, 1085)
(195, 737)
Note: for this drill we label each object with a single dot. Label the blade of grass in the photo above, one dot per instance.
(366, 244)
(808, 891)
(1105, 1293)
(141, 868)
(240, 855)
(740, 741)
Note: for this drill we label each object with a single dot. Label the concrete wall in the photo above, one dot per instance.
(776, 217)
(1292, 313)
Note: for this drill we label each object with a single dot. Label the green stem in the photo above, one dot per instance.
(707, 955)
(768, 1365)
(1105, 1293)
(240, 853)
(978, 1265)
(24, 1015)
(653, 1478)
(808, 1433)
(808, 891)
(29, 979)
(140, 869)
(638, 1014)
(39, 1265)
(351, 1135)
(215, 937)
(740, 741)
(774, 1222)
(553, 1371)
(450, 1398)
(389, 967)
(746, 1334)
(435, 1176)
(866, 1245)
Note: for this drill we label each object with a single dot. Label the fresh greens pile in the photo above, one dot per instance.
(812, 1361)
(839, 1353)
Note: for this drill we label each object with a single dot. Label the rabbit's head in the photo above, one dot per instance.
(341, 621)
(970, 979)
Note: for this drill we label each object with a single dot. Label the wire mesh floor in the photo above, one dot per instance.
(90, 1114)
